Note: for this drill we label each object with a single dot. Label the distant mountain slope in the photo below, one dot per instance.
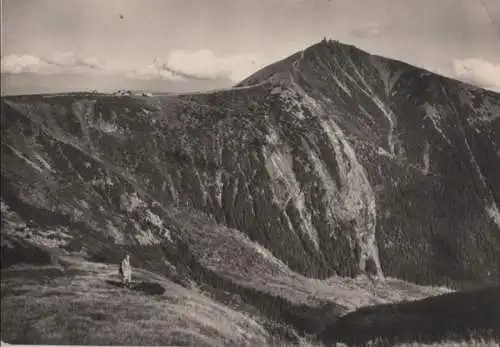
(429, 145)
(332, 147)
(330, 163)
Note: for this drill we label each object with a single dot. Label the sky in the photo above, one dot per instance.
(198, 44)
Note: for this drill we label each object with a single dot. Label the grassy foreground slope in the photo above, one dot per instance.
(210, 286)
(81, 303)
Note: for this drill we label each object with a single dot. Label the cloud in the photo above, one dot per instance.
(205, 64)
(180, 64)
(21, 63)
(153, 71)
(369, 30)
(56, 63)
(71, 60)
(479, 72)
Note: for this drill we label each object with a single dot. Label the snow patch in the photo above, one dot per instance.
(4, 207)
(276, 90)
(365, 112)
(272, 137)
(383, 152)
(494, 214)
(341, 85)
(388, 76)
(131, 202)
(28, 161)
(108, 127)
(432, 114)
(154, 219)
(426, 157)
(167, 234)
(218, 186)
(263, 251)
(43, 162)
(102, 182)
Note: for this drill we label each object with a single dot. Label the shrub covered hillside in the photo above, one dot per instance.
(282, 203)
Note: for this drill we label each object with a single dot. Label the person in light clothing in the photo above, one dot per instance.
(126, 271)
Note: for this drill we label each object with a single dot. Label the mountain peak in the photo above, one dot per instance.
(320, 53)
(333, 60)
(328, 171)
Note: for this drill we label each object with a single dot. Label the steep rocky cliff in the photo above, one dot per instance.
(430, 149)
(327, 159)
(330, 162)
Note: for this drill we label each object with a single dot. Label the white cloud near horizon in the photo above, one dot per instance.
(478, 72)
(59, 62)
(205, 63)
(202, 64)
(152, 71)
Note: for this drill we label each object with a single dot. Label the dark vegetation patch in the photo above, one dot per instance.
(41, 274)
(97, 316)
(456, 316)
(148, 288)
(13, 292)
(16, 251)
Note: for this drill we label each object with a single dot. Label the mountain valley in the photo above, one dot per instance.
(328, 192)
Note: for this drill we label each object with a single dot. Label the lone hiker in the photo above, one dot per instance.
(126, 271)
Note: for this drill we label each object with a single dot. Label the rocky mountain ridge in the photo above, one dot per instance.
(330, 164)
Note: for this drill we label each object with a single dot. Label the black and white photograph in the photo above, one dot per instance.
(250, 173)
